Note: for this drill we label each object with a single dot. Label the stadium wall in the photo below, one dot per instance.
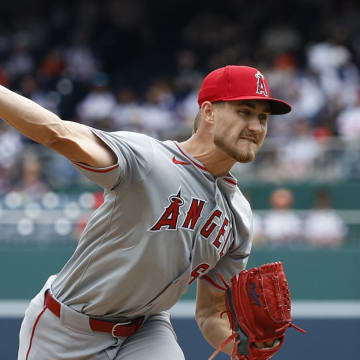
(323, 284)
(313, 274)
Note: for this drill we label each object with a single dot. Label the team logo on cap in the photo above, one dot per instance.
(261, 88)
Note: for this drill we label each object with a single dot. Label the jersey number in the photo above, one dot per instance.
(199, 270)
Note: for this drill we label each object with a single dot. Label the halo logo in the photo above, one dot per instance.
(261, 88)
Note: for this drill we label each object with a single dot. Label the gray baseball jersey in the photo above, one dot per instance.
(165, 221)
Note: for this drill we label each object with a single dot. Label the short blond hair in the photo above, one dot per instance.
(198, 116)
(196, 121)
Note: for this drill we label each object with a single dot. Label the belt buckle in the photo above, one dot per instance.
(116, 325)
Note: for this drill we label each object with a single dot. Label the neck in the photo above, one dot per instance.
(205, 151)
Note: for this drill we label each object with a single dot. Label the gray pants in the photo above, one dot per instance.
(44, 336)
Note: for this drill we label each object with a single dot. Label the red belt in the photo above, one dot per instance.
(116, 329)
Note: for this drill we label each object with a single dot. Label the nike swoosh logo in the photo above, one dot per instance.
(179, 162)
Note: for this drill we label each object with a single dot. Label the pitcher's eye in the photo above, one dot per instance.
(244, 111)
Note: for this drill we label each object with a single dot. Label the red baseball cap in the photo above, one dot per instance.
(235, 82)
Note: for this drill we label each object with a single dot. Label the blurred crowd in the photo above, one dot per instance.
(282, 226)
(136, 65)
(44, 217)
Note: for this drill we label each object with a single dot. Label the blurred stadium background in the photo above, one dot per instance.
(136, 65)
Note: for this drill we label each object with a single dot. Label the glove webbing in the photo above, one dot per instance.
(241, 339)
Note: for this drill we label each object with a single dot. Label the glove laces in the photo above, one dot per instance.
(290, 324)
(227, 341)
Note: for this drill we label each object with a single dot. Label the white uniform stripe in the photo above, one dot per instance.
(186, 309)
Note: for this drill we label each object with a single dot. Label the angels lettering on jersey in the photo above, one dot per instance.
(215, 227)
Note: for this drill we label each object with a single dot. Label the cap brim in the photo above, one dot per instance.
(277, 106)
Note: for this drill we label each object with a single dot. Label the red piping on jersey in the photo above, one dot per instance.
(231, 181)
(228, 179)
(97, 170)
(212, 282)
(195, 163)
(33, 331)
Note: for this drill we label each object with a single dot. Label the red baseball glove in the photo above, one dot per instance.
(258, 306)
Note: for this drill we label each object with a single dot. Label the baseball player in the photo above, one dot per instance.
(172, 214)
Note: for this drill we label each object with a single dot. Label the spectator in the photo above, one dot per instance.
(282, 226)
(332, 61)
(80, 60)
(348, 124)
(53, 64)
(126, 113)
(21, 62)
(96, 109)
(31, 184)
(157, 110)
(348, 121)
(188, 76)
(323, 226)
(310, 98)
(280, 39)
(10, 148)
(300, 153)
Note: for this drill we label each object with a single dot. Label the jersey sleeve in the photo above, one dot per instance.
(229, 265)
(134, 154)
